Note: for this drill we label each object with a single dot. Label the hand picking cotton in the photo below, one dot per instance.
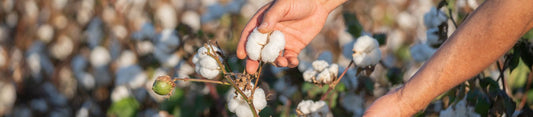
(265, 47)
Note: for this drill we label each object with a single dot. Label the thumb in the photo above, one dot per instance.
(271, 17)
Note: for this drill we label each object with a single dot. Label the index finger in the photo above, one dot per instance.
(254, 22)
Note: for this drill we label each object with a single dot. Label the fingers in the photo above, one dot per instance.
(251, 66)
(273, 15)
(254, 21)
(292, 57)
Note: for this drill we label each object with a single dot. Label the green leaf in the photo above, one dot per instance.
(126, 107)
(482, 106)
(381, 37)
(368, 83)
(509, 105)
(354, 27)
(266, 112)
(395, 76)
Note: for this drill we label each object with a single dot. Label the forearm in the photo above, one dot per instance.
(485, 36)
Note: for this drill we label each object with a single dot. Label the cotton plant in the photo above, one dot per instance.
(321, 72)
(421, 52)
(433, 19)
(238, 105)
(459, 109)
(310, 108)
(205, 64)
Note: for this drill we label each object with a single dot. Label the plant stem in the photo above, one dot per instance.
(201, 80)
(232, 83)
(332, 85)
(257, 78)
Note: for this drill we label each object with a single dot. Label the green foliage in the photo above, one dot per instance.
(126, 107)
(354, 27)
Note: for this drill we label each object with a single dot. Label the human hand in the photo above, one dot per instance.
(299, 20)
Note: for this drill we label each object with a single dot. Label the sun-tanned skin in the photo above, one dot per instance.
(489, 32)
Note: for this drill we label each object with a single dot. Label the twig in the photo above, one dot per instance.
(257, 78)
(501, 75)
(201, 80)
(250, 103)
(451, 18)
(332, 85)
(524, 97)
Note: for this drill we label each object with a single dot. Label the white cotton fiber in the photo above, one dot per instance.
(256, 41)
(275, 45)
(320, 65)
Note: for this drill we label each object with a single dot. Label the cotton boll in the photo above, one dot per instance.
(86, 80)
(209, 63)
(259, 99)
(126, 58)
(62, 48)
(3, 57)
(191, 19)
(255, 43)
(334, 69)
(240, 107)
(120, 31)
(144, 47)
(434, 18)
(147, 32)
(421, 52)
(304, 105)
(324, 77)
(309, 74)
(313, 109)
(8, 97)
(432, 36)
(208, 73)
(120, 92)
(100, 57)
(366, 51)
(45, 33)
(320, 65)
(365, 44)
(274, 47)
(166, 15)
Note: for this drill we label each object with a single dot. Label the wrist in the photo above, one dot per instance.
(330, 5)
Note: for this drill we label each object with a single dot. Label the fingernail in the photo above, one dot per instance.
(263, 25)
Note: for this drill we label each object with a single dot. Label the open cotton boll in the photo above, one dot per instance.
(208, 73)
(209, 63)
(313, 109)
(120, 92)
(100, 57)
(132, 76)
(275, 45)
(192, 19)
(255, 43)
(309, 74)
(421, 52)
(324, 77)
(62, 48)
(166, 15)
(334, 70)
(434, 18)
(8, 97)
(240, 107)
(432, 36)
(320, 65)
(366, 51)
(45, 33)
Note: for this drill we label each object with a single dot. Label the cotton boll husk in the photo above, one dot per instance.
(365, 44)
(192, 19)
(324, 77)
(255, 43)
(166, 15)
(320, 65)
(432, 36)
(100, 57)
(62, 48)
(209, 73)
(309, 74)
(274, 47)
